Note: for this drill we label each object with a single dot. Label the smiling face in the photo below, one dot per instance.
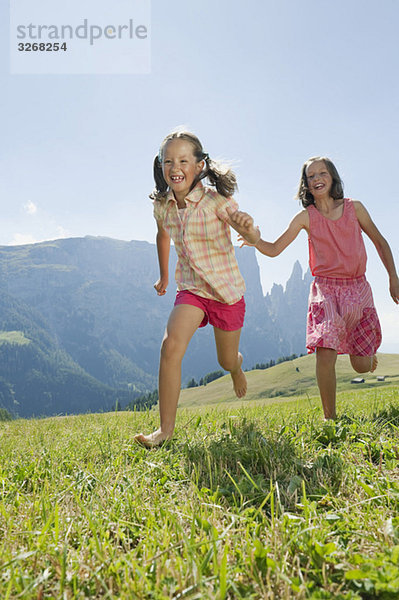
(319, 179)
(180, 167)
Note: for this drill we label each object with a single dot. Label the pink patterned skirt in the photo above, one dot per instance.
(342, 316)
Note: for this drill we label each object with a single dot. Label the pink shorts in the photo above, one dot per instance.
(228, 317)
(342, 316)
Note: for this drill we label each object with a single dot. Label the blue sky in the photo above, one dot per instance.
(264, 84)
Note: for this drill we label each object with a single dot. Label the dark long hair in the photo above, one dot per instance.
(337, 188)
(218, 175)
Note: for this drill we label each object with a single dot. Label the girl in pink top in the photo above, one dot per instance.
(341, 315)
(210, 286)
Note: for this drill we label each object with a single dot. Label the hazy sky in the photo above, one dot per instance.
(266, 84)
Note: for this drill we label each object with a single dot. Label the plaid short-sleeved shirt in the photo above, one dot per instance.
(207, 264)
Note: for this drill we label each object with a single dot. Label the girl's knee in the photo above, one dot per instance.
(172, 348)
(228, 363)
(361, 364)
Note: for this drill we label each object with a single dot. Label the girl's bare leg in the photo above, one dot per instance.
(364, 364)
(182, 324)
(326, 380)
(230, 359)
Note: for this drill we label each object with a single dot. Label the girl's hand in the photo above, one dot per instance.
(243, 223)
(394, 289)
(160, 286)
(239, 218)
(243, 242)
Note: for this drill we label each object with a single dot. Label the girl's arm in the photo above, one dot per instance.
(163, 249)
(382, 247)
(250, 236)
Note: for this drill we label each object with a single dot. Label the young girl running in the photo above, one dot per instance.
(210, 286)
(341, 316)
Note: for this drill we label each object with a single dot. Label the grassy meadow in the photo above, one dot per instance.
(293, 378)
(251, 501)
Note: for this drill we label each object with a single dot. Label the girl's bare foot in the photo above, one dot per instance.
(151, 441)
(239, 380)
(374, 363)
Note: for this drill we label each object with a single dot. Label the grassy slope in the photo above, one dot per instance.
(284, 381)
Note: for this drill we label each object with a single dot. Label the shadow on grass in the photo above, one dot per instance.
(245, 464)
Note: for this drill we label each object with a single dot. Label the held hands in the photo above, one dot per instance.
(243, 223)
(243, 242)
(160, 286)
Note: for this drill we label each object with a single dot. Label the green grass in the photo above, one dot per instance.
(251, 502)
(287, 379)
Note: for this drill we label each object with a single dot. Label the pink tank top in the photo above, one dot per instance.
(336, 248)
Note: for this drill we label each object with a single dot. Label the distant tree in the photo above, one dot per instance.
(192, 383)
(267, 365)
(212, 376)
(5, 415)
(272, 362)
(143, 402)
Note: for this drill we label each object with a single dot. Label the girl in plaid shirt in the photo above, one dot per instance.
(210, 287)
(341, 316)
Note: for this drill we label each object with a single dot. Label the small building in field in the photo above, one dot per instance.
(380, 377)
(358, 380)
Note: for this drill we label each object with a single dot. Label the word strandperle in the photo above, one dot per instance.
(83, 32)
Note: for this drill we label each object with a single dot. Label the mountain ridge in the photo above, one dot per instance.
(88, 305)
